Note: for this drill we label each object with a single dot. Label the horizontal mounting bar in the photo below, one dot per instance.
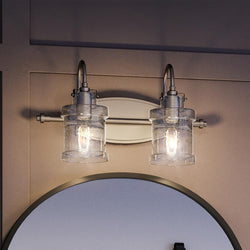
(43, 118)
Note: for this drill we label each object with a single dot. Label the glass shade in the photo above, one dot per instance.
(172, 132)
(84, 133)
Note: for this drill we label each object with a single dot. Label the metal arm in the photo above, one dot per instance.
(82, 75)
(169, 73)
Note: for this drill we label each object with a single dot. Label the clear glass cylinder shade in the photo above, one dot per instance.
(84, 133)
(172, 136)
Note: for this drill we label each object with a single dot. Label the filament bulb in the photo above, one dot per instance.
(171, 141)
(83, 138)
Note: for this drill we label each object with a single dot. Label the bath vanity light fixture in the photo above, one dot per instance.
(84, 124)
(169, 127)
(172, 127)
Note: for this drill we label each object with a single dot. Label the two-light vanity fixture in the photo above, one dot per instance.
(84, 125)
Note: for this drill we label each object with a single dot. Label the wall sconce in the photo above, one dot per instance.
(172, 127)
(169, 127)
(84, 124)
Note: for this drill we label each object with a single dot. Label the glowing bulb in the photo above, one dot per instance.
(83, 133)
(171, 141)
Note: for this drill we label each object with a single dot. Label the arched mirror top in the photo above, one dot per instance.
(120, 211)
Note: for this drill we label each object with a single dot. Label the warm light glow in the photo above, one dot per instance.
(171, 141)
(83, 133)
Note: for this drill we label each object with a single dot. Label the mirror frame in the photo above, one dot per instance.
(228, 231)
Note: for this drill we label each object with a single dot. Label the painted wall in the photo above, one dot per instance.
(210, 55)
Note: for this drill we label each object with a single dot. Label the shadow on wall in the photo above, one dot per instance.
(30, 114)
(211, 119)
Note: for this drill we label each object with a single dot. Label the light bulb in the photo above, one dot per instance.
(83, 133)
(171, 141)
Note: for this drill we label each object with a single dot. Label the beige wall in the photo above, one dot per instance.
(40, 78)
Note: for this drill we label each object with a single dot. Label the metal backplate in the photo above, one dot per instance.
(133, 114)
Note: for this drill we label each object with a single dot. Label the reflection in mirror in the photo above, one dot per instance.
(119, 213)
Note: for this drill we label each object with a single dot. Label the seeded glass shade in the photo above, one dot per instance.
(84, 133)
(172, 132)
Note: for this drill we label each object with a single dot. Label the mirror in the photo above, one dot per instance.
(115, 212)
